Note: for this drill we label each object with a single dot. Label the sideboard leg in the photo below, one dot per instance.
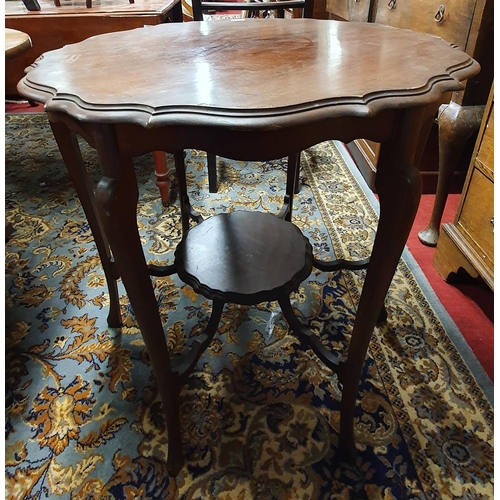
(456, 125)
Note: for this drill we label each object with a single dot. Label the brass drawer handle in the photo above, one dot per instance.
(439, 14)
(492, 222)
(392, 4)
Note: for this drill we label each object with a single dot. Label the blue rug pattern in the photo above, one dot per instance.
(260, 418)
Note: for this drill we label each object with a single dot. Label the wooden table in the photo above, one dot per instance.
(247, 90)
(16, 42)
(53, 27)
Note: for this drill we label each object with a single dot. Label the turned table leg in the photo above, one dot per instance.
(161, 173)
(456, 125)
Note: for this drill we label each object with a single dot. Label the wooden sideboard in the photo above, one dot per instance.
(467, 243)
(465, 23)
(53, 27)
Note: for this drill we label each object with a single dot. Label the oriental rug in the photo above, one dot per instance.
(260, 419)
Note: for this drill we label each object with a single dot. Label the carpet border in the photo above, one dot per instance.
(452, 330)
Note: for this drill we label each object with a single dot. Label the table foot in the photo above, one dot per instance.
(175, 459)
(347, 446)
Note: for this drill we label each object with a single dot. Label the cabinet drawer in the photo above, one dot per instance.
(349, 10)
(475, 220)
(485, 153)
(449, 19)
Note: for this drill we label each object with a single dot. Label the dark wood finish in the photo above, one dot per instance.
(244, 257)
(467, 243)
(335, 89)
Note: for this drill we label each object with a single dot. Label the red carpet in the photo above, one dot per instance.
(469, 305)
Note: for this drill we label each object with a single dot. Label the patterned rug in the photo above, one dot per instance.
(260, 418)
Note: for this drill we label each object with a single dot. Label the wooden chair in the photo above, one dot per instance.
(302, 8)
(253, 8)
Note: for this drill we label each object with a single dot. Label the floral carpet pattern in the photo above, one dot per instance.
(260, 418)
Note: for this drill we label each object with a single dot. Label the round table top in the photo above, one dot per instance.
(16, 42)
(248, 71)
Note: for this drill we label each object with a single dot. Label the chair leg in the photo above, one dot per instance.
(296, 188)
(212, 172)
(161, 173)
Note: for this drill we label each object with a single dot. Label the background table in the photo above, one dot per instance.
(247, 90)
(53, 27)
(16, 42)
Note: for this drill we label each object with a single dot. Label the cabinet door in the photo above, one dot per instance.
(449, 19)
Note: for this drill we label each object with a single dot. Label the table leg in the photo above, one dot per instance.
(117, 197)
(212, 172)
(70, 150)
(399, 187)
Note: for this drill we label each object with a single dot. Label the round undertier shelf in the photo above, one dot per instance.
(244, 257)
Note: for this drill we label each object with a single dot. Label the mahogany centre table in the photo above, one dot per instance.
(247, 90)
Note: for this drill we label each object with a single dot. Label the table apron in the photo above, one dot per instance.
(246, 145)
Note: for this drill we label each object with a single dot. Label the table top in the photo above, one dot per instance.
(245, 74)
(16, 42)
(78, 8)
